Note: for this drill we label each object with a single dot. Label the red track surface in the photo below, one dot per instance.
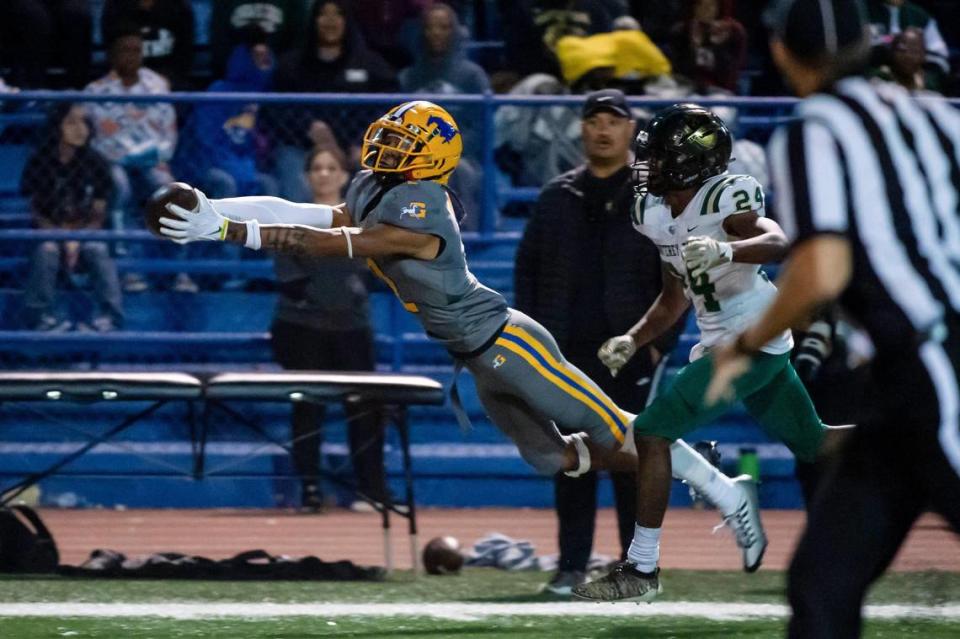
(688, 542)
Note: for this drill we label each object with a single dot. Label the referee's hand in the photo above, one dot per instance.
(728, 366)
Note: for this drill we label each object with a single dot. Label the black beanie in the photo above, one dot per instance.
(812, 29)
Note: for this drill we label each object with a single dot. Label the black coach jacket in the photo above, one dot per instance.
(631, 264)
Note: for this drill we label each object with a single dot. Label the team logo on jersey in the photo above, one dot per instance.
(416, 210)
(444, 129)
(499, 361)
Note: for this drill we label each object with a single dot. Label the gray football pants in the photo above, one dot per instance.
(529, 389)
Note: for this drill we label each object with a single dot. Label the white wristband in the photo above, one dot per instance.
(583, 454)
(346, 236)
(253, 235)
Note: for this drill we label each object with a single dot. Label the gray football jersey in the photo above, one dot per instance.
(451, 304)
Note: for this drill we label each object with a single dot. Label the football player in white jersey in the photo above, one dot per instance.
(712, 235)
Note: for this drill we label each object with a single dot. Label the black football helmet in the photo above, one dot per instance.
(680, 147)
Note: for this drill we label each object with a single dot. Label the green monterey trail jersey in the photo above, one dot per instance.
(453, 307)
(729, 297)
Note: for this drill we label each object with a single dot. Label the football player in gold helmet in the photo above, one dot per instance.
(402, 218)
(414, 141)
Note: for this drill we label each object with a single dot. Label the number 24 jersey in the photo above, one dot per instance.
(729, 297)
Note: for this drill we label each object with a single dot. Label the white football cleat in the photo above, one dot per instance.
(746, 525)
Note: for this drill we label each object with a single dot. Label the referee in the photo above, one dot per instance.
(866, 181)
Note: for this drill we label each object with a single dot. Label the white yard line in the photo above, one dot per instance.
(458, 611)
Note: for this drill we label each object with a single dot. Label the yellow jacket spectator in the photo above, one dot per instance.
(623, 55)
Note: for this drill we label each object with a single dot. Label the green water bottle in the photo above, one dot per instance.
(749, 463)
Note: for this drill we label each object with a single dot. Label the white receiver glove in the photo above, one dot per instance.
(702, 253)
(202, 223)
(616, 352)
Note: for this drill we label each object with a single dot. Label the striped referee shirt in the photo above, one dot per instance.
(870, 162)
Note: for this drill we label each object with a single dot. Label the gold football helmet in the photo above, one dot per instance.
(417, 140)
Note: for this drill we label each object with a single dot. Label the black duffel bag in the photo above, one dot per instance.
(26, 545)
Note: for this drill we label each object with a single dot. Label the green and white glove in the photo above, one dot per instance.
(700, 254)
(616, 352)
(202, 223)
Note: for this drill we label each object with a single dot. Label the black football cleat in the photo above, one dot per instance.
(623, 583)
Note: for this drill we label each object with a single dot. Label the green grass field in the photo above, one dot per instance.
(479, 603)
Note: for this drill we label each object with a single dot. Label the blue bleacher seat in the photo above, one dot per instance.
(13, 157)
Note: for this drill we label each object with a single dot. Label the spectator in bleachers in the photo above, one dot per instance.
(441, 66)
(709, 46)
(69, 185)
(904, 62)
(322, 322)
(335, 59)
(36, 35)
(166, 27)
(625, 57)
(218, 145)
(281, 20)
(389, 26)
(890, 17)
(137, 138)
(534, 144)
(657, 18)
(533, 27)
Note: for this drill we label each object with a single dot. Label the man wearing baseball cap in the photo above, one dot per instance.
(584, 273)
(866, 191)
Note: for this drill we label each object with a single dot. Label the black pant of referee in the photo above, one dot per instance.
(891, 471)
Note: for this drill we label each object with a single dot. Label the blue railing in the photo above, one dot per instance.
(754, 113)
(757, 112)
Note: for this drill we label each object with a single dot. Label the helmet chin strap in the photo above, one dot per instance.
(440, 177)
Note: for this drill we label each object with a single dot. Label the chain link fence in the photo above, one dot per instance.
(76, 262)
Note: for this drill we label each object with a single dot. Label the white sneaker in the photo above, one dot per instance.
(746, 525)
(184, 284)
(563, 582)
(376, 506)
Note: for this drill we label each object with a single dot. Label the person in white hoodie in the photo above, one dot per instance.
(137, 138)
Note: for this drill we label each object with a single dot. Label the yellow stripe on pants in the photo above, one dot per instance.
(601, 397)
(562, 385)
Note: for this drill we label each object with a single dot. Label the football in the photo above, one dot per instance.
(441, 556)
(174, 193)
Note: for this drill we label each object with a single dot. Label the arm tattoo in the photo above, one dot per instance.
(286, 239)
(292, 239)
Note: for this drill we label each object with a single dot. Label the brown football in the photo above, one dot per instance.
(174, 193)
(441, 556)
